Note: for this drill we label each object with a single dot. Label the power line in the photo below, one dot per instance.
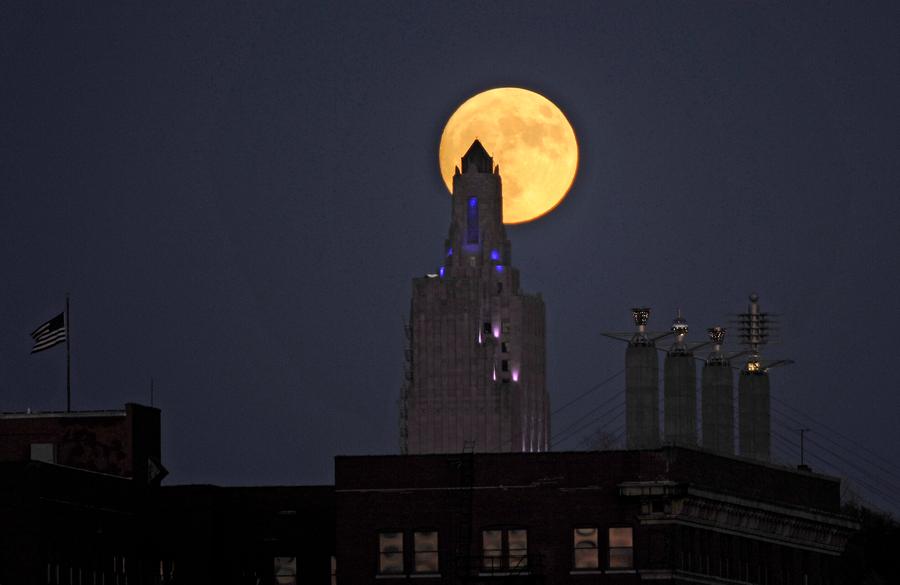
(873, 490)
(568, 434)
(852, 464)
(608, 400)
(593, 388)
(890, 472)
(838, 433)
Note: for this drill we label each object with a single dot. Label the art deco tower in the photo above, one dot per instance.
(475, 371)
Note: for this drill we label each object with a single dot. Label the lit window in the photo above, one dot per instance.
(492, 547)
(505, 550)
(472, 222)
(425, 545)
(621, 553)
(518, 548)
(586, 548)
(286, 570)
(390, 553)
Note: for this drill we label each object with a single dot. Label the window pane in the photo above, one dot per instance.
(620, 537)
(425, 541)
(426, 555)
(620, 548)
(586, 558)
(390, 547)
(285, 570)
(518, 548)
(586, 553)
(427, 562)
(620, 558)
(518, 540)
(492, 548)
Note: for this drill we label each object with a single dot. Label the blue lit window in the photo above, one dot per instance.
(499, 267)
(495, 255)
(472, 222)
(441, 271)
(449, 251)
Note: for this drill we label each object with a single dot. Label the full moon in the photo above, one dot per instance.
(528, 136)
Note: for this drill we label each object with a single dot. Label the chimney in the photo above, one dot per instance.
(717, 397)
(680, 392)
(641, 386)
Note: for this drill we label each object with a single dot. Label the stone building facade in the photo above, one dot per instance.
(475, 372)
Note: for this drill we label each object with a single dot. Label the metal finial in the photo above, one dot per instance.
(640, 315)
(717, 335)
(680, 325)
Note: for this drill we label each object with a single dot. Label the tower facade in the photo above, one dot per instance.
(641, 386)
(475, 371)
(680, 389)
(717, 397)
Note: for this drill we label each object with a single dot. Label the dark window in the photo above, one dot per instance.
(504, 365)
(504, 347)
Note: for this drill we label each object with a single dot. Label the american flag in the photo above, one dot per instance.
(50, 333)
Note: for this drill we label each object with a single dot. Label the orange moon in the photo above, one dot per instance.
(528, 136)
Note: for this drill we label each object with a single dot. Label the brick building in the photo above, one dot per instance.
(117, 442)
(672, 515)
(75, 488)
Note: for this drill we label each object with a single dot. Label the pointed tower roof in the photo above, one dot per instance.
(478, 159)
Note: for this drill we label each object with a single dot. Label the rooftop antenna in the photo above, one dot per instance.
(756, 329)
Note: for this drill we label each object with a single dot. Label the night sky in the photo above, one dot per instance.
(237, 198)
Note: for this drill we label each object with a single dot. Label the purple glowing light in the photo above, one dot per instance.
(495, 255)
(515, 374)
(496, 330)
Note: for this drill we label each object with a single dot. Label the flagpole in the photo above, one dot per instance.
(68, 359)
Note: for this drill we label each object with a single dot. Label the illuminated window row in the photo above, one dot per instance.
(505, 550)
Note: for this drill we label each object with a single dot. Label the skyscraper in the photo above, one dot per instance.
(475, 371)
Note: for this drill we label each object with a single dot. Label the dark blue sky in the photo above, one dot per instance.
(237, 198)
